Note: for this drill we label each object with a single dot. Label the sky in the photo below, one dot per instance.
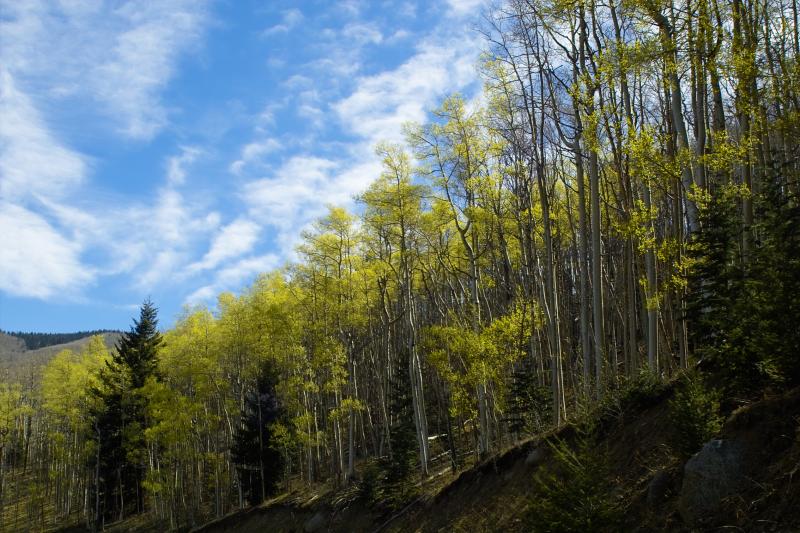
(175, 149)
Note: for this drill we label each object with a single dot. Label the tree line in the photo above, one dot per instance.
(35, 340)
(621, 199)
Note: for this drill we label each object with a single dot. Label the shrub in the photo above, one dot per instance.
(573, 495)
(694, 415)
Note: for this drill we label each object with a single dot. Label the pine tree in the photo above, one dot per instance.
(528, 402)
(120, 421)
(572, 493)
(399, 466)
(722, 306)
(258, 460)
(776, 273)
(714, 277)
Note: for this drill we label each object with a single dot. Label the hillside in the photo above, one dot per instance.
(645, 478)
(18, 361)
(34, 340)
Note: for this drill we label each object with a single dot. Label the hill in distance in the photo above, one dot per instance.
(34, 341)
(18, 358)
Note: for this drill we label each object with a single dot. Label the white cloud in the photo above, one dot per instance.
(252, 152)
(176, 173)
(164, 235)
(158, 267)
(380, 104)
(36, 261)
(291, 195)
(232, 241)
(461, 8)
(143, 60)
(32, 161)
(398, 36)
(361, 33)
(352, 7)
(297, 192)
(118, 56)
(234, 277)
(290, 19)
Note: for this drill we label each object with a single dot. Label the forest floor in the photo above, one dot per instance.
(496, 494)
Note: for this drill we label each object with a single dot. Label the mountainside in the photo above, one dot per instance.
(653, 489)
(17, 360)
(34, 340)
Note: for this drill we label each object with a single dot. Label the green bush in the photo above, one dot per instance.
(694, 415)
(642, 390)
(383, 490)
(573, 495)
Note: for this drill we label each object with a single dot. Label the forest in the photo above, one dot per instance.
(619, 206)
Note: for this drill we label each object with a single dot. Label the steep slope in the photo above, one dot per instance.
(647, 481)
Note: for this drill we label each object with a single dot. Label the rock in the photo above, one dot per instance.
(659, 488)
(534, 457)
(711, 475)
(315, 523)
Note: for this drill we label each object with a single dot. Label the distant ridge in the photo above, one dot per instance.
(34, 341)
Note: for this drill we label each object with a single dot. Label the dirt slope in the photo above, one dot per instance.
(495, 495)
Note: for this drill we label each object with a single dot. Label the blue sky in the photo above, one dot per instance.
(175, 149)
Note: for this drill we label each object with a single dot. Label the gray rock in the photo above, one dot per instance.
(711, 475)
(535, 457)
(315, 523)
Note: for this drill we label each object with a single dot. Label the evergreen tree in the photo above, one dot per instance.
(399, 466)
(714, 276)
(776, 278)
(528, 401)
(740, 311)
(723, 314)
(573, 491)
(258, 460)
(120, 422)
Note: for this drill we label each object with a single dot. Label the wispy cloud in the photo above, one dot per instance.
(233, 277)
(292, 194)
(381, 103)
(232, 241)
(86, 53)
(360, 33)
(252, 151)
(66, 229)
(120, 56)
(36, 260)
(176, 172)
(465, 8)
(290, 19)
(32, 161)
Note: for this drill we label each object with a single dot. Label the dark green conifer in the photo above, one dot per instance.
(259, 462)
(120, 420)
(399, 466)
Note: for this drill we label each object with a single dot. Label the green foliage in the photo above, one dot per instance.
(528, 402)
(740, 309)
(395, 485)
(256, 450)
(642, 390)
(722, 308)
(119, 417)
(775, 275)
(694, 415)
(573, 494)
